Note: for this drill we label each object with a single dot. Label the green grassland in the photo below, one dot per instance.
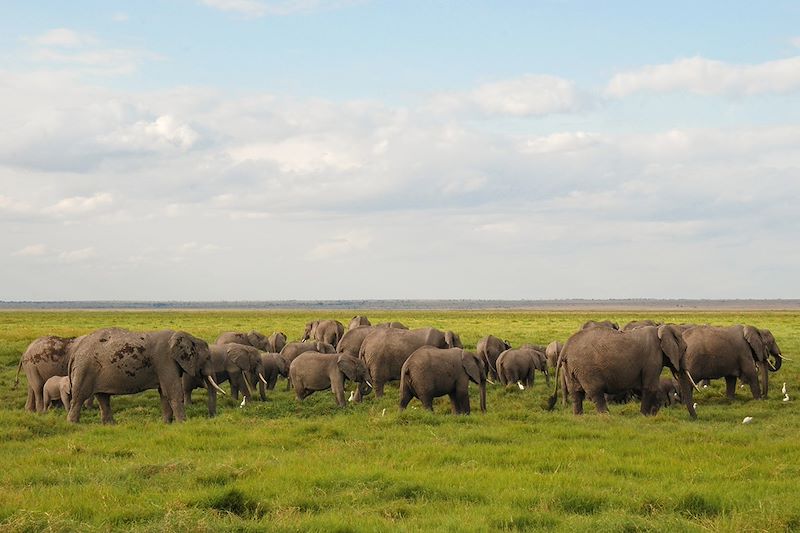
(281, 465)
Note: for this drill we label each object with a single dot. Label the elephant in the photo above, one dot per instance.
(351, 342)
(357, 321)
(254, 339)
(56, 389)
(274, 365)
(396, 325)
(231, 362)
(276, 342)
(293, 349)
(489, 349)
(329, 331)
(600, 324)
(314, 371)
(386, 349)
(639, 324)
(109, 362)
(600, 361)
(44, 358)
(431, 372)
(519, 365)
(552, 351)
(733, 352)
(668, 394)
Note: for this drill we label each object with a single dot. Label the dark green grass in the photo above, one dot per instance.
(287, 466)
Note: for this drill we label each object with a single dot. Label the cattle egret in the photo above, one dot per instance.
(747, 420)
(244, 400)
(520, 386)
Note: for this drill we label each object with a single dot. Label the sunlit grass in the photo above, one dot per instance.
(288, 466)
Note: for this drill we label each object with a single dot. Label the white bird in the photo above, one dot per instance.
(705, 386)
(785, 397)
(783, 390)
(383, 413)
(747, 420)
(352, 395)
(520, 386)
(244, 399)
(694, 406)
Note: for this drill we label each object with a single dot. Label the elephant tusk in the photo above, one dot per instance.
(264, 381)
(216, 387)
(368, 383)
(692, 380)
(247, 383)
(786, 358)
(771, 365)
(490, 381)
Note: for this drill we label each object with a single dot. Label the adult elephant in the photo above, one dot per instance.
(329, 331)
(274, 365)
(519, 366)
(634, 324)
(600, 361)
(489, 349)
(254, 339)
(386, 349)
(276, 342)
(396, 325)
(590, 324)
(43, 359)
(231, 362)
(432, 372)
(350, 343)
(357, 321)
(733, 352)
(314, 371)
(109, 362)
(294, 349)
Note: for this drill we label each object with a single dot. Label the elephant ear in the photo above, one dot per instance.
(283, 366)
(469, 361)
(672, 345)
(239, 356)
(183, 349)
(347, 365)
(753, 338)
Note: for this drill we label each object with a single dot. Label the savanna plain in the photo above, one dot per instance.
(282, 465)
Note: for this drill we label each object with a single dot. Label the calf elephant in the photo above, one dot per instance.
(109, 362)
(276, 342)
(519, 366)
(386, 349)
(489, 349)
(600, 361)
(732, 352)
(56, 390)
(274, 365)
(640, 324)
(314, 371)
(231, 362)
(432, 372)
(357, 321)
(329, 331)
(600, 324)
(254, 339)
(396, 325)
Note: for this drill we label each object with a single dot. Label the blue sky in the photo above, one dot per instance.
(201, 149)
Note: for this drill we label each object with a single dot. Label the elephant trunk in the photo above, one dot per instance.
(764, 371)
(773, 368)
(547, 375)
(687, 392)
(551, 402)
(483, 395)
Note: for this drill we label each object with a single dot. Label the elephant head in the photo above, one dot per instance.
(762, 344)
(258, 340)
(358, 320)
(474, 369)
(246, 360)
(452, 340)
(673, 349)
(283, 366)
(354, 369)
(309, 331)
(191, 354)
(552, 352)
(324, 347)
(276, 341)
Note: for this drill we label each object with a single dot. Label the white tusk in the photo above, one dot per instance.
(264, 381)
(247, 383)
(352, 395)
(490, 381)
(216, 387)
(786, 358)
(771, 365)
(520, 386)
(368, 383)
(692, 380)
(747, 420)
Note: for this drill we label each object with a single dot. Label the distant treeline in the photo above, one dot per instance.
(565, 305)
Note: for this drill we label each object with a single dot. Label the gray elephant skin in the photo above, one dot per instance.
(329, 331)
(273, 343)
(386, 349)
(110, 362)
(432, 372)
(589, 324)
(273, 365)
(634, 324)
(489, 349)
(44, 358)
(314, 371)
(600, 361)
(56, 391)
(733, 352)
(352, 340)
(230, 362)
(358, 320)
(518, 365)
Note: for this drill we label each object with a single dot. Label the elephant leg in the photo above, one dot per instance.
(38, 392)
(176, 402)
(649, 405)
(379, 389)
(405, 397)
(212, 402)
(462, 401)
(599, 400)
(273, 379)
(755, 388)
(337, 386)
(427, 401)
(730, 387)
(262, 391)
(105, 407)
(89, 403)
(454, 407)
(564, 390)
(577, 402)
(166, 408)
(30, 403)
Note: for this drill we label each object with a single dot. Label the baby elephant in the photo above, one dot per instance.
(432, 372)
(56, 390)
(519, 366)
(274, 365)
(314, 371)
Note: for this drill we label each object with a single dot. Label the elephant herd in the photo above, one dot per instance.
(601, 361)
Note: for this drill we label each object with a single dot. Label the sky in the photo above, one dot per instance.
(356, 149)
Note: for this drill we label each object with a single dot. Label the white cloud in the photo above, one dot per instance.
(302, 155)
(77, 256)
(163, 132)
(561, 142)
(340, 245)
(32, 250)
(63, 37)
(79, 205)
(708, 77)
(526, 96)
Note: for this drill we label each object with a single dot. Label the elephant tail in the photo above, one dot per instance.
(19, 367)
(551, 402)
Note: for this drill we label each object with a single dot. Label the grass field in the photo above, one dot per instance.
(284, 466)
